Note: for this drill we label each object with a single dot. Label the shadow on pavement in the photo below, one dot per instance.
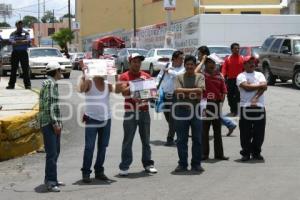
(250, 161)
(186, 173)
(212, 161)
(41, 189)
(160, 143)
(95, 182)
(136, 175)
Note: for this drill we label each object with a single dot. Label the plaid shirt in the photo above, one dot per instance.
(49, 103)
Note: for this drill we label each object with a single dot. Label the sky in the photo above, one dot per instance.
(22, 8)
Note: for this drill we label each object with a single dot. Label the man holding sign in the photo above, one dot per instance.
(136, 115)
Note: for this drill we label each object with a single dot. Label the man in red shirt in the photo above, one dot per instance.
(214, 94)
(136, 115)
(231, 68)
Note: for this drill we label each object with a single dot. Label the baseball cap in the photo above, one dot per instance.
(136, 55)
(54, 66)
(213, 57)
(248, 58)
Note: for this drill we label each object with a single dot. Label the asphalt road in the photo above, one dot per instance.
(276, 178)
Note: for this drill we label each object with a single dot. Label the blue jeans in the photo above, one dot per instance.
(132, 120)
(226, 121)
(52, 149)
(92, 129)
(182, 127)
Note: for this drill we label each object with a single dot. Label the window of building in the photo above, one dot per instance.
(51, 31)
(251, 12)
(212, 12)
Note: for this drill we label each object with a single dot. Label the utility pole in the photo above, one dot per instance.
(39, 24)
(44, 8)
(134, 18)
(69, 12)
(53, 26)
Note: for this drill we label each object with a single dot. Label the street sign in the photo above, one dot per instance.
(170, 4)
(75, 26)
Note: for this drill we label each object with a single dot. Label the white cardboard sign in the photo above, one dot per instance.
(100, 67)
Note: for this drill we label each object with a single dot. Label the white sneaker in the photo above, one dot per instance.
(123, 173)
(151, 169)
(53, 188)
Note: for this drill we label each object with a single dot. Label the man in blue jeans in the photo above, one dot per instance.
(51, 125)
(136, 115)
(189, 89)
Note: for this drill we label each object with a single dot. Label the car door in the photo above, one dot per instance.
(274, 56)
(148, 59)
(286, 59)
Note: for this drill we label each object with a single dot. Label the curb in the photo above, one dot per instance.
(20, 134)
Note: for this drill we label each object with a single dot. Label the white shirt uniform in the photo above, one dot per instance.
(254, 78)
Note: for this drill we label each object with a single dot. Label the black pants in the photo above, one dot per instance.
(168, 102)
(252, 130)
(233, 95)
(213, 118)
(16, 58)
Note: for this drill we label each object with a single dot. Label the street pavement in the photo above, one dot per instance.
(276, 178)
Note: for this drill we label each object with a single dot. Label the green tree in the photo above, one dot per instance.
(49, 17)
(67, 15)
(4, 24)
(28, 20)
(63, 37)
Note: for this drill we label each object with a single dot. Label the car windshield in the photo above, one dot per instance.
(44, 53)
(110, 51)
(80, 55)
(220, 50)
(139, 51)
(256, 50)
(165, 52)
(297, 46)
(6, 49)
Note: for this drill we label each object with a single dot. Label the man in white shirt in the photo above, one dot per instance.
(252, 86)
(167, 77)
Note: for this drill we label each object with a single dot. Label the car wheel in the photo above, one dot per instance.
(4, 73)
(67, 75)
(268, 75)
(296, 79)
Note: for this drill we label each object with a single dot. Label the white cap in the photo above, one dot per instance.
(136, 55)
(53, 66)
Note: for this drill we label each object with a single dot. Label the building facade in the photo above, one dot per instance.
(113, 16)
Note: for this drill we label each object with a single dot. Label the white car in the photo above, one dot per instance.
(39, 58)
(156, 59)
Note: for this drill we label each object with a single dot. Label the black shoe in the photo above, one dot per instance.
(180, 169)
(101, 176)
(204, 158)
(10, 87)
(197, 169)
(170, 143)
(258, 157)
(245, 158)
(222, 158)
(230, 131)
(86, 178)
(28, 87)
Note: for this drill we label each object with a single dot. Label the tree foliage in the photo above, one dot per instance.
(28, 20)
(49, 17)
(63, 37)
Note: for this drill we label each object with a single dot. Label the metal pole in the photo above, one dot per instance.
(53, 26)
(169, 20)
(39, 24)
(69, 11)
(134, 18)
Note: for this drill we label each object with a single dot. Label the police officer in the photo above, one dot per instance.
(20, 41)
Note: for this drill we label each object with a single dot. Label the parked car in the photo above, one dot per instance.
(219, 50)
(280, 58)
(40, 57)
(122, 62)
(251, 51)
(5, 59)
(75, 59)
(156, 59)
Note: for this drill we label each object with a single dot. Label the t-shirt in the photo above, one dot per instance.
(215, 87)
(17, 36)
(195, 81)
(233, 66)
(131, 104)
(254, 78)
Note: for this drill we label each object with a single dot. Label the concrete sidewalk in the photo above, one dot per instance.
(17, 101)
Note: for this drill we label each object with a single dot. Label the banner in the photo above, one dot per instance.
(143, 89)
(100, 67)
